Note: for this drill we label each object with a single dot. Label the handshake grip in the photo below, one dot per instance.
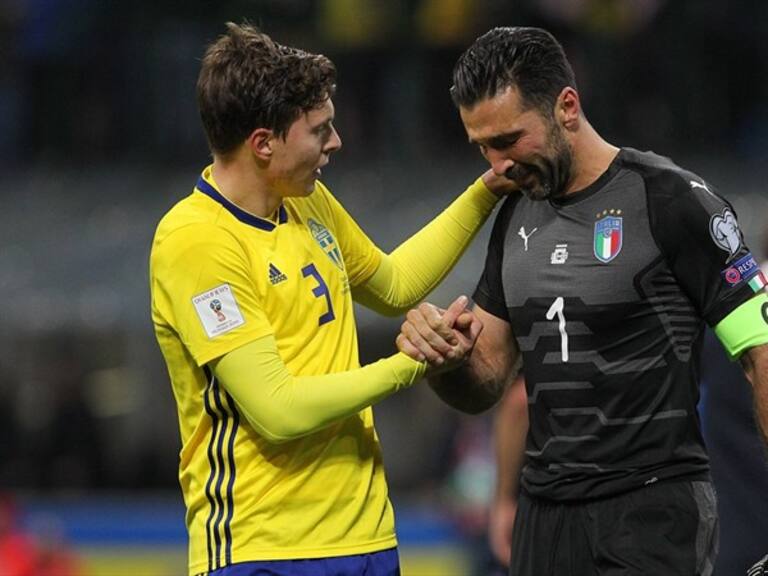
(442, 338)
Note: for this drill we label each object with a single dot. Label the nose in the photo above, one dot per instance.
(499, 162)
(334, 142)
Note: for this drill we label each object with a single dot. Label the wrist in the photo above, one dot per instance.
(499, 186)
(489, 189)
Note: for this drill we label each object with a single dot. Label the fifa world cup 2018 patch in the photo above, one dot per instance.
(744, 270)
(218, 310)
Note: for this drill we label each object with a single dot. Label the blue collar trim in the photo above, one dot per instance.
(239, 213)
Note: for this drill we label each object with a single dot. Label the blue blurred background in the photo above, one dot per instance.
(99, 135)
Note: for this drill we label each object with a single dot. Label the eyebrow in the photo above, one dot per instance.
(499, 140)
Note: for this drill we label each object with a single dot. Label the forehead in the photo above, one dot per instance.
(503, 113)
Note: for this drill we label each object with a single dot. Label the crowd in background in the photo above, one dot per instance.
(101, 82)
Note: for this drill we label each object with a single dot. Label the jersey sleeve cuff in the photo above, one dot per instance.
(745, 327)
(482, 195)
(406, 370)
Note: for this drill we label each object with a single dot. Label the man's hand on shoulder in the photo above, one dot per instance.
(499, 185)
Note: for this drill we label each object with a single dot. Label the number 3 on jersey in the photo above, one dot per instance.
(557, 310)
(320, 290)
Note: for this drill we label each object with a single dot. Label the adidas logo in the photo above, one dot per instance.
(275, 276)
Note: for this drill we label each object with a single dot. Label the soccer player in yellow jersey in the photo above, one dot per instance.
(253, 277)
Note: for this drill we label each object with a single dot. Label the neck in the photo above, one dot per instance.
(240, 182)
(591, 157)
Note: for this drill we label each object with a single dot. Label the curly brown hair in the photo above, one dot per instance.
(249, 81)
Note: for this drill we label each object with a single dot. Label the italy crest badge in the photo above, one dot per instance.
(609, 236)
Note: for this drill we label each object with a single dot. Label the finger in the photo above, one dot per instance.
(464, 321)
(435, 318)
(415, 338)
(405, 346)
(457, 307)
(468, 325)
(466, 339)
(430, 326)
(475, 329)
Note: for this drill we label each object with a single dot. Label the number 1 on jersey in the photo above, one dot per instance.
(557, 310)
(320, 290)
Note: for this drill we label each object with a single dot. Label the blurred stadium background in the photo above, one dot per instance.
(99, 135)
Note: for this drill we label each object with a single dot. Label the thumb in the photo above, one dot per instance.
(457, 307)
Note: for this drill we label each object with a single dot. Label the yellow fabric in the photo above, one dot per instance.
(420, 263)
(745, 327)
(284, 407)
(248, 499)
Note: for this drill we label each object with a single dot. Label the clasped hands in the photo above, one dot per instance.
(442, 338)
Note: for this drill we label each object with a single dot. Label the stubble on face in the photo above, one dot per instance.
(545, 177)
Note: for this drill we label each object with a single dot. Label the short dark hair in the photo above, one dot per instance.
(531, 59)
(249, 81)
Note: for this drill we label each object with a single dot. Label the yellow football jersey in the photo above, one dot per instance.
(221, 278)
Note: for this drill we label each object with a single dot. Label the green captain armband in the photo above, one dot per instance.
(745, 327)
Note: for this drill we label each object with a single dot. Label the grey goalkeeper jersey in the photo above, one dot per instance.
(607, 292)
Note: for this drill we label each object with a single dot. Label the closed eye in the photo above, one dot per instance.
(499, 142)
(503, 142)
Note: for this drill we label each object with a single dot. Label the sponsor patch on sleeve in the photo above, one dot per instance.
(743, 270)
(218, 310)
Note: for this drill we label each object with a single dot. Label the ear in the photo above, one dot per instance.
(568, 108)
(260, 143)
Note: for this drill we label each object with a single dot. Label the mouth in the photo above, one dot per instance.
(525, 177)
(319, 170)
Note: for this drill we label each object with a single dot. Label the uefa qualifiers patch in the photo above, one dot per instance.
(725, 232)
(743, 270)
(218, 310)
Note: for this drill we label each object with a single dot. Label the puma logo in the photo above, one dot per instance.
(525, 236)
(695, 184)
